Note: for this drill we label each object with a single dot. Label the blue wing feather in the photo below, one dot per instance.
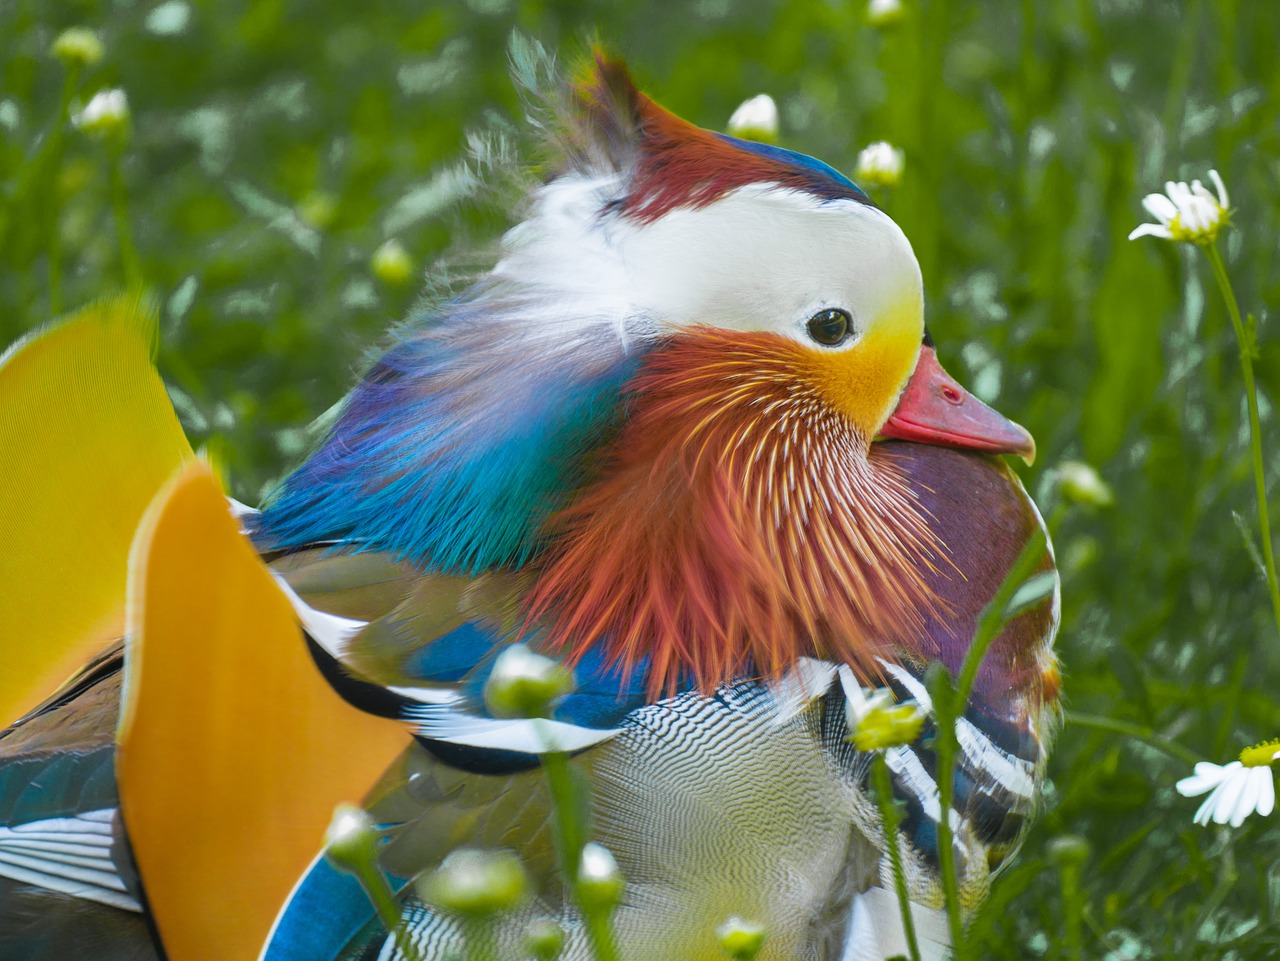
(451, 464)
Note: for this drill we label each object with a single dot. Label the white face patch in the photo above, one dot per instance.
(764, 258)
(761, 258)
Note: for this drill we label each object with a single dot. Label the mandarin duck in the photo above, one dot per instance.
(689, 436)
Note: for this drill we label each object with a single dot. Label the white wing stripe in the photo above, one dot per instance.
(1012, 773)
(68, 855)
(528, 736)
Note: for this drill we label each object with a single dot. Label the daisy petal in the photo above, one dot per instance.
(1221, 187)
(1160, 207)
(1247, 798)
(1205, 810)
(1207, 777)
(1267, 800)
(1150, 230)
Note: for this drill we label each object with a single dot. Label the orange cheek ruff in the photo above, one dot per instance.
(736, 526)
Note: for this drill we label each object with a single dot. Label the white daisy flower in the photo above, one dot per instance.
(1236, 790)
(756, 119)
(1188, 214)
(879, 165)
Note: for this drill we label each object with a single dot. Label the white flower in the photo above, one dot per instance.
(107, 113)
(1189, 214)
(1236, 790)
(879, 164)
(756, 119)
(883, 13)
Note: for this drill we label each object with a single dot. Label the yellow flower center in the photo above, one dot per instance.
(1260, 755)
(1204, 235)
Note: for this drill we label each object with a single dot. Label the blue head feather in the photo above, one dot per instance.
(454, 449)
(837, 184)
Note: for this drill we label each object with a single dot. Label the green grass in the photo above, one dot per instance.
(276, 145)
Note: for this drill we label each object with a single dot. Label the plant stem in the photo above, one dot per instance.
(1069, 877)
(945, 715)
(889, 823)
(384, 902)
(1245, 341)
(570, 838)
(949, 702)
(55, 207)
(994, 615)
(120, 207)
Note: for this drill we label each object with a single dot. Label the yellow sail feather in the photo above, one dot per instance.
(232, 750)
(87, 437)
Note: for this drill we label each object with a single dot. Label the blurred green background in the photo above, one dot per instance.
(276, 145)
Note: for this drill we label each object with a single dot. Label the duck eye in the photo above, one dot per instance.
(831, 327)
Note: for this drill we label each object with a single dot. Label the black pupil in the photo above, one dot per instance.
(830, 326)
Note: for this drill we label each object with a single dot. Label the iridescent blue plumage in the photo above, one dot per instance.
(447, 462)
(840, 186)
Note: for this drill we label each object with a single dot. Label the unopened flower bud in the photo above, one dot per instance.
(879, 165)
(741, 940)
(392, 264)
(600, 883)
(352, 839)
(877, 722)
(888, 727)
(884, 13)
(475, 883)
(1068, 849)
(318, 210)
(105, 115)
(756, 119)
(1081, 483)
(77, 47)
(525, 684)
(544, 939)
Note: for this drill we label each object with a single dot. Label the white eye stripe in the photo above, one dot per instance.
(760, 258)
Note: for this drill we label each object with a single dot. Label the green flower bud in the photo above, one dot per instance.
(1068, 849)
(544, 939)
(888, 727)
(741, 940)
(525, 684)
(885, 13)
(1081, 483)
(877, 722)
(352, 839)
(318, 210)
(77, 47)
(392, 264)
(600, 883)
(475, 883)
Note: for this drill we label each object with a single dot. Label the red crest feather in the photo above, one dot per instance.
(673, 163)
